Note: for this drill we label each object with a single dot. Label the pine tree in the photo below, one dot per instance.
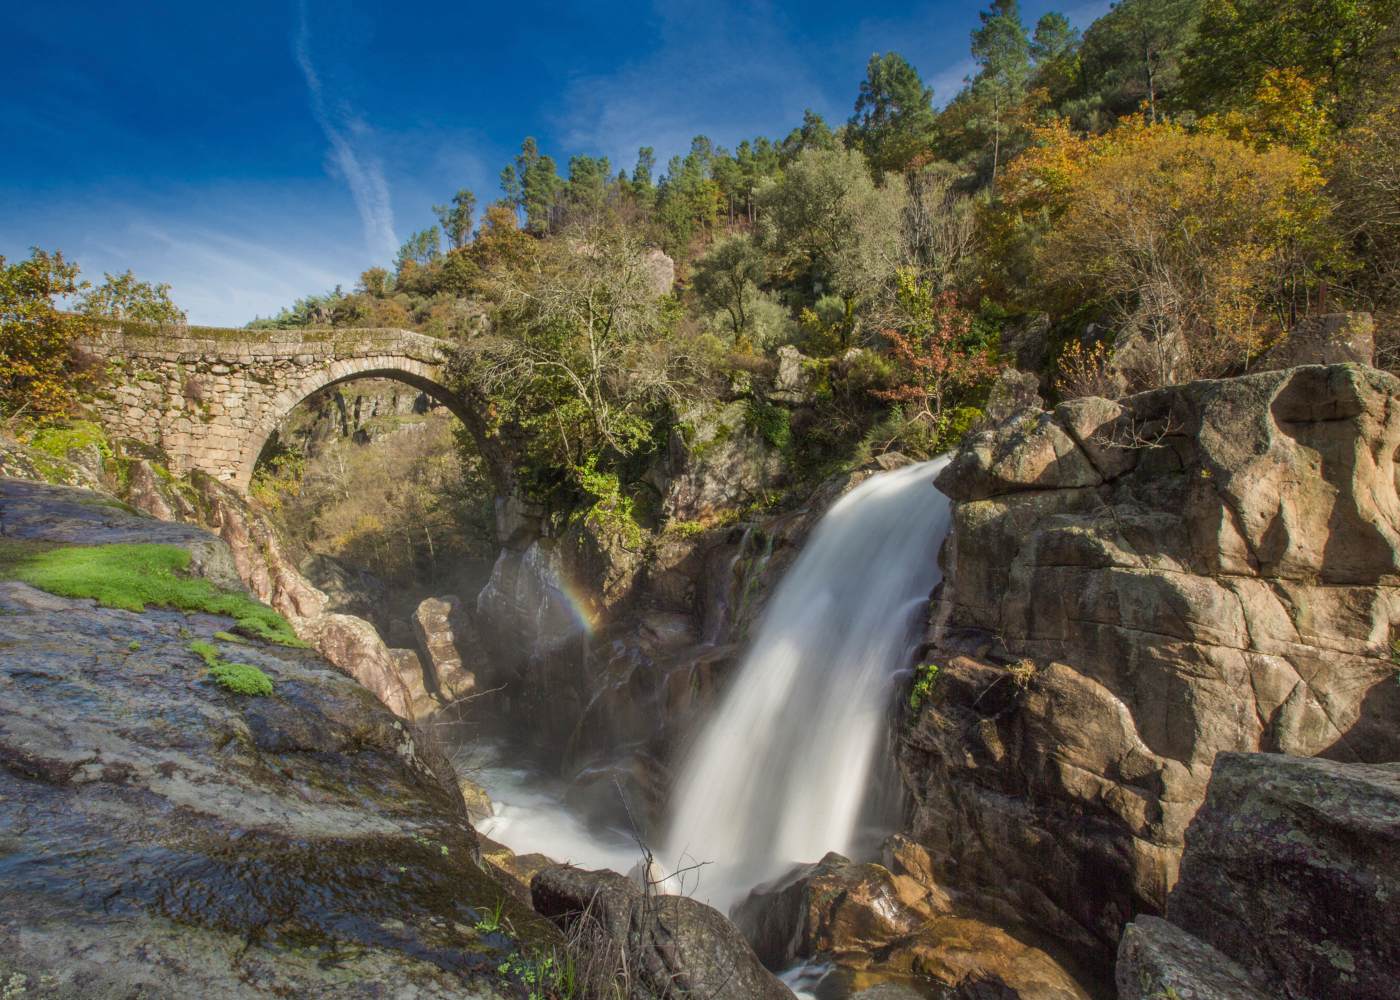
(894, 120)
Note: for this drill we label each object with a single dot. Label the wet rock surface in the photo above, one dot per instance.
(245, 552)
(867, 917)
(674, 945)
(71, 516)
(1131, 588)
(163, 836)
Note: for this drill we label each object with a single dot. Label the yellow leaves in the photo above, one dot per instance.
(1047, 172)
(1286, 110)
(36, 339)
(1183, 233)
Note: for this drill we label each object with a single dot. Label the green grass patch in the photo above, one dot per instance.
(58, 440)
(206, 651)
(134, 576)
(240, 678)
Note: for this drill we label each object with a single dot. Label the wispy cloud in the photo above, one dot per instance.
(948, 81)
(362, 170)
(219, 277)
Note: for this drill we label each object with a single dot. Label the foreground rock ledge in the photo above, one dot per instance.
(1292, 869)
(867, 917)
(663, 945)
(161, 836)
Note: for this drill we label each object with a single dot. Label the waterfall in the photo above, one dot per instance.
(781, 773)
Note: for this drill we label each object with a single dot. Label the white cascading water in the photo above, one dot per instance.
(781, 774)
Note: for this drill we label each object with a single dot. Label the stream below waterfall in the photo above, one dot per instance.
(530, 816)
(794, 761)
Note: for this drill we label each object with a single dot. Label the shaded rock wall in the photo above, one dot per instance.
(1314, 845)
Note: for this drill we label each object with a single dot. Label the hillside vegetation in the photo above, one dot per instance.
(1156, 199)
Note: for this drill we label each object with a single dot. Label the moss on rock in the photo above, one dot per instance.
(134, 576)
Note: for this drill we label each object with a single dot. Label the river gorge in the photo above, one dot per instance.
(986, 726)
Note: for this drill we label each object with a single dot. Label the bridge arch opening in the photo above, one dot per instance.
(374, 481)
(415, 375)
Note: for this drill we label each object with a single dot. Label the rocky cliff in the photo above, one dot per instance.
(138, 475)
(1131, 588)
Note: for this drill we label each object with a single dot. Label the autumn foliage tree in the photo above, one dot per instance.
(36, 337)
(1200, 245)
(935, 353)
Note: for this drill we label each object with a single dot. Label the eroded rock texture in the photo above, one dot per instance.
(868, 917)
(1157, 959)
(1131, 588)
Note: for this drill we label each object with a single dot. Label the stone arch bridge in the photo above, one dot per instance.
(212, 398)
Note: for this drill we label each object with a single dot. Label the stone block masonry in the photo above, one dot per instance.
(211, 399)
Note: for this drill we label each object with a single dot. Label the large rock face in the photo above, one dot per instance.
(721, 462)
(1158, 959)
(162, 836)
(1137, 586)
(1292, 868)
(673, 945)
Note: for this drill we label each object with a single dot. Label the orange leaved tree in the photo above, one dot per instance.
(1193, 241)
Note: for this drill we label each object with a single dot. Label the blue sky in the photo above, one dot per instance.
(251, 153)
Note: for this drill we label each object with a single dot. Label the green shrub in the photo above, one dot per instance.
(134, 576)
(773, 422)
(206, 651)
(611, 508)
(924, 678)
(240, 678)
(953, 426)
(543, 974)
